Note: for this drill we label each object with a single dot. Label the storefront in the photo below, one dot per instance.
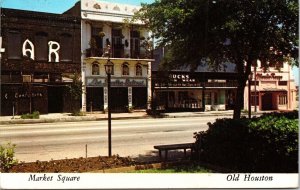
(41, 53)
(272, 89)
(129, 89)
(193, 91)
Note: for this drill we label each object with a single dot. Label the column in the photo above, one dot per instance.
(105, 94)
(83, 95)
(129, 97)
(149, 85)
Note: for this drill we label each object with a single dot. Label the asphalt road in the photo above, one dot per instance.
(130, 137)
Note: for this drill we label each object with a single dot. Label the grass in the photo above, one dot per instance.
(187, 168)
(34, 115)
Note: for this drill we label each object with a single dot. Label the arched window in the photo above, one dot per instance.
(125, 69)
(95, 68)
(138, 70)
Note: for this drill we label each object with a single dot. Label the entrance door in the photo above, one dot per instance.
(94, 99)
(267, 101)
(119, 99)
(55, 99)
(139, 97)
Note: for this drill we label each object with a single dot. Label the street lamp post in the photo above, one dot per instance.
(109, 67)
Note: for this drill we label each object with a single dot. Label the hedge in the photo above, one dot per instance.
(265, 144)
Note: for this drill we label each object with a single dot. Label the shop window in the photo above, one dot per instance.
(66, 47)
(125, 69)
(216, 98)
(138, 70)
(14, 45)
(208, 98)
(282, 99)
(95, 69)
(41, 43)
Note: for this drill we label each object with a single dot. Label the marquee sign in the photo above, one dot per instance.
(101, 82)
(28, 47)
(268, 76)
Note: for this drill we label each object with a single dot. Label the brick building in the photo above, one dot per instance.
(42, 52)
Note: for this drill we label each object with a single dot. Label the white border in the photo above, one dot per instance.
(123, 180)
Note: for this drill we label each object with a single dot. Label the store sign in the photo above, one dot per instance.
(181, 78)
(268, 76)
(28, 48)
(101, 82)
(23, 95)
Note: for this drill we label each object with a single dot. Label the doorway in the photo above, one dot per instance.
(55, 99)
(267, 101)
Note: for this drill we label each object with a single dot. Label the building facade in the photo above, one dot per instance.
(271, 89)
(201, 89)
(41, 53)
(107, 35)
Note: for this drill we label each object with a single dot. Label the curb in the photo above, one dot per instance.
(74, 119)
(91, 118)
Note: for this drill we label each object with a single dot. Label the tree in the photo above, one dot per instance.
(74, 91)
(218, 31)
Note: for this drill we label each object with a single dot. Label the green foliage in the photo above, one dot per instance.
(180, 168)
(265, 144)
(33, 115)
(7, 154)
(75, 88)
(78, 113)
(215, 32)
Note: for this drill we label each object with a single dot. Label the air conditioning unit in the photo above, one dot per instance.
(26, 78)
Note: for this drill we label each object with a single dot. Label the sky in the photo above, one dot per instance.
(56, 6)
(59, 6)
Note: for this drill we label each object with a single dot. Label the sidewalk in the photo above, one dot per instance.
(95, 116)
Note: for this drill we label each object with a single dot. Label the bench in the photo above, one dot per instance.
(168, 147)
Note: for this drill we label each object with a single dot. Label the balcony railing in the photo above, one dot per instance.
(116, 52)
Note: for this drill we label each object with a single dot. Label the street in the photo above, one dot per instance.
(130, 137)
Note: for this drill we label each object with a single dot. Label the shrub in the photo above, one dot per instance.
(7, 154)
(78, 113)
(33, 115)
(265, 144)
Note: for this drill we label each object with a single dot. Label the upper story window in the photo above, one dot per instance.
(95, 68)
(138, 70)
(66, 47)
(125, 69)
(135, 44)
(96, 42)
(41, 42)
(14, 45)
(117, 46)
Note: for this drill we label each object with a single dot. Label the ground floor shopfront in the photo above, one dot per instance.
(186, 91)
(195, 99)
(126, 94)
(272, 99)
(25, 98)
